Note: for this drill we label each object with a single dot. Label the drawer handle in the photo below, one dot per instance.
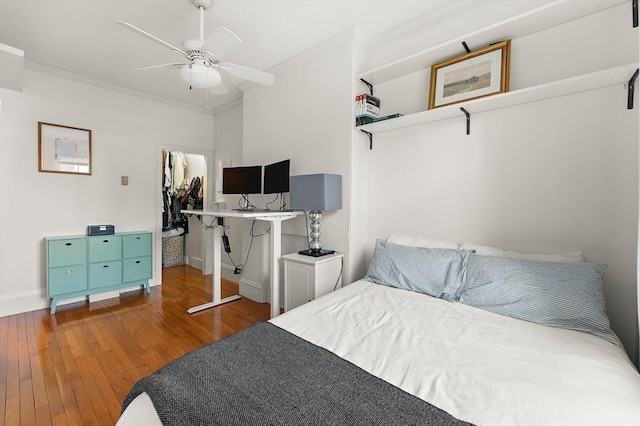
(137, 238)
(105, 241)
(67, 244)
(137, 261)
(105, 266)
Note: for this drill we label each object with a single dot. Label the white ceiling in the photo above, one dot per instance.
(81, 37)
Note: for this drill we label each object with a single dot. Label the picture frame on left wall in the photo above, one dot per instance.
(64, 149)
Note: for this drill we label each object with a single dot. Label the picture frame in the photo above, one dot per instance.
(63, 149)
(477, 74)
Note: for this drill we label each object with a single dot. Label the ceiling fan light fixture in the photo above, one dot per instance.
(200, 76)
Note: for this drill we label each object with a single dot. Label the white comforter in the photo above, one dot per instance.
(478, 366)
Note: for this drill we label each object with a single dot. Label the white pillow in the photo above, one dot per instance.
(419, 242)
(571, 257)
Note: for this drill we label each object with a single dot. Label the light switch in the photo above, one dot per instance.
(124, 180)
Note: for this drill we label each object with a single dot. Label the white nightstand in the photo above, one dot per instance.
(308, 277)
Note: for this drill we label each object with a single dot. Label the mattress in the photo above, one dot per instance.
(478, 366)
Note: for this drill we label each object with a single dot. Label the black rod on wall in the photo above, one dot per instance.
(466, 113)
(634, 12)
(369, 85)
(370, 138)
(631, 87)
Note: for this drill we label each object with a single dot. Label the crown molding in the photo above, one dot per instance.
(78, 77)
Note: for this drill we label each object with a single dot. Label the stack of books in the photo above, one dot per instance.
(367, 109)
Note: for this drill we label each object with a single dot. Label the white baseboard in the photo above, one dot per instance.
(196, 262)
(253, 290)
(19, 303)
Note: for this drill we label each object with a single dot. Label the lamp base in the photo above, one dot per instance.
(316, 253)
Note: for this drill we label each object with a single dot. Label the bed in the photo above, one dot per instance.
(432, 335)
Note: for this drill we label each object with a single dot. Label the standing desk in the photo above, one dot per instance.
(275, 218)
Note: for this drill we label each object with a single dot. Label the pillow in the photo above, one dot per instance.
(549, 293)
(418, 242)
(436, 272)
(571, 257)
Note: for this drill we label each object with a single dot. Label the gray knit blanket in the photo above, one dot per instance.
(264, 375)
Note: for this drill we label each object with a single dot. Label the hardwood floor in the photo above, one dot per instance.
(75, 367)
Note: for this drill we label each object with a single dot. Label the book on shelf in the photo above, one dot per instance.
(368, 120)
(367, 107)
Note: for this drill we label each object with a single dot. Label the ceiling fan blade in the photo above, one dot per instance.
(151, 37)
(247, 73)
(175, 64)
(221, 41)
(220, 89)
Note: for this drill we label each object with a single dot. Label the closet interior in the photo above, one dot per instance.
(183, 187)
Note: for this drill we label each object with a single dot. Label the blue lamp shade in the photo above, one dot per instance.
(316, 192)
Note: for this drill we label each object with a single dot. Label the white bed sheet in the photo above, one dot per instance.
(478, 366)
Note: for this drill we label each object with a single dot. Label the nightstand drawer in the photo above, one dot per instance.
(72, 251)
(104, 248)
(105, 274)
(136, 269)
(67, 279)
(137, 245)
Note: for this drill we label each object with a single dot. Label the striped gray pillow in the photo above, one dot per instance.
(436, 272)
(549, 293)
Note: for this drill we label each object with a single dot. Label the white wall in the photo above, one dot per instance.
(126, 130)
(228, 136)
(306, 117)
(560, 174)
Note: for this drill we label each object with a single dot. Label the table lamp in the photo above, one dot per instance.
(315, 193)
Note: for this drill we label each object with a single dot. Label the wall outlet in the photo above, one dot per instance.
(124, 180)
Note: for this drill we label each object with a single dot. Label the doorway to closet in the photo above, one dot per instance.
(184, 183)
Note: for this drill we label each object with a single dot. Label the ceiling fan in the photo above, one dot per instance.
(203, 56)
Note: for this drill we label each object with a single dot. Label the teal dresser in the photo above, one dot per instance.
(81, 266)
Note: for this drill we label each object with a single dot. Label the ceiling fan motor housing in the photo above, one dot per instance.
(206, 4)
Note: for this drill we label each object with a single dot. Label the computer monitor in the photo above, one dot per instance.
(242, 180)
(276, 177)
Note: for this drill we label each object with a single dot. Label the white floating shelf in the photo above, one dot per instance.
(609, 77)
(529, 22)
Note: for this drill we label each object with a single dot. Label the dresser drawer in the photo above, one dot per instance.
(72, 251)
(137, 245)
(105, 274)
(136, 269)
(104, 248)
(67, 279)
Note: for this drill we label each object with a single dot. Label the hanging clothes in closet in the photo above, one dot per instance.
(179, 193)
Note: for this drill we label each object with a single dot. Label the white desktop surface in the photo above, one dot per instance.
(275, 217)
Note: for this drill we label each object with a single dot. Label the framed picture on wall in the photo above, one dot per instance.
(64, 149)
(484, 72)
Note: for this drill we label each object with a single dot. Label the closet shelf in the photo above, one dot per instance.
(609, 77)
(526, 23)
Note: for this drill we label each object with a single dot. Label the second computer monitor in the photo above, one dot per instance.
(276, 177)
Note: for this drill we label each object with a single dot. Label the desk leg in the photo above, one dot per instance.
(215, 284)
(274, 275)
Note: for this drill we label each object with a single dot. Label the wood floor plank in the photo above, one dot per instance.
(76, 367)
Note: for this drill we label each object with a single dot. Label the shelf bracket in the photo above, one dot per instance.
(634, 12)
(630, 87)
(466, 113)
(370, 138)
(464, 44)
(369, 85)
